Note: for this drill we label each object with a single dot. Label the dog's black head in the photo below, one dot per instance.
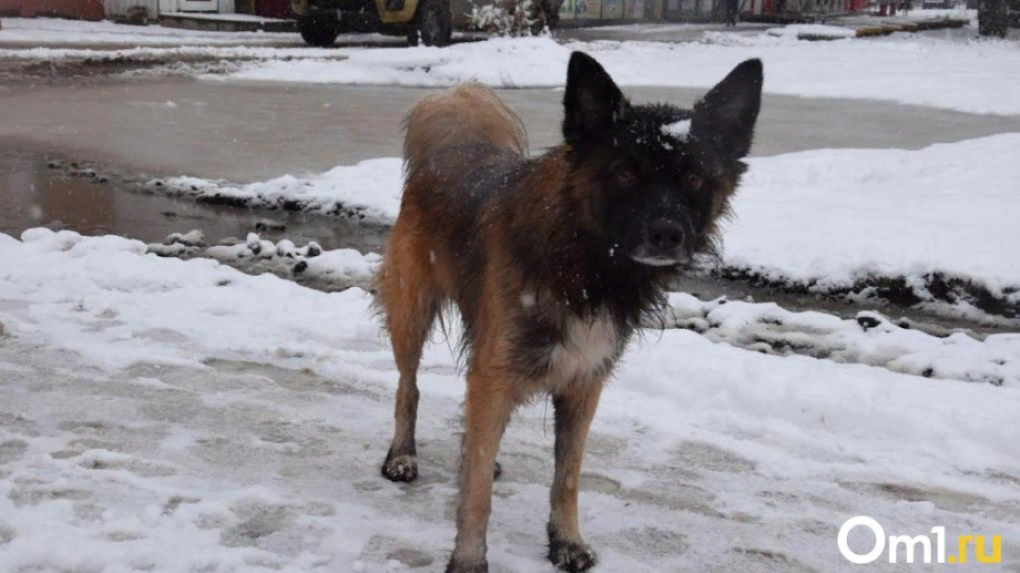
(663, 175)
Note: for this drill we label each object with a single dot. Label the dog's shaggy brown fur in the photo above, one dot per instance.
(550, 261)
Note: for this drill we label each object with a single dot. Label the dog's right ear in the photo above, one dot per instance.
(592, 103)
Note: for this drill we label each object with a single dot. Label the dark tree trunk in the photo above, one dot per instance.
(993, 19)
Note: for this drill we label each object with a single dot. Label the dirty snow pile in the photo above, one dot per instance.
(369, 190)
(958, 75)
(869, 339)
(310, 265)
(167, 415)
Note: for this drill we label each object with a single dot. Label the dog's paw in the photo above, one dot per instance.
(571, 557)
(400, 468)
(456, 567)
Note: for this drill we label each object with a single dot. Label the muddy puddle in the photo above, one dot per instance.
(43, 191)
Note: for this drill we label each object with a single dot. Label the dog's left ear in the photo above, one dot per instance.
(592, 103)
(725, 117)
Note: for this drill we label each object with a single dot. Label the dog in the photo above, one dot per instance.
(552, 261)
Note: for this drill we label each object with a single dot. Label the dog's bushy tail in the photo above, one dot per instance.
(468, 113)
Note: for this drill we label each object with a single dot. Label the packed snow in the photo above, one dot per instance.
(959, 75)
(823, 219)
(169, 415)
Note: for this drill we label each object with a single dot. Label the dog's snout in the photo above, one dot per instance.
(665, 235)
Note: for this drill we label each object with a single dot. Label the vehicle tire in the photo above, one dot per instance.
(320, 33)
(433, 24)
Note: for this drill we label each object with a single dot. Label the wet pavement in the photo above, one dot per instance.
(39, 190)
(252, 131)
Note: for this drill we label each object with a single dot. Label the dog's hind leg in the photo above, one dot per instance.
(574, 410)
(409, 299)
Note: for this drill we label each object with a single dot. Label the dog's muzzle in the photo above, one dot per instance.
(662, 244)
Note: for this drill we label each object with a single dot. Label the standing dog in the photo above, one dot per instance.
(551, 261)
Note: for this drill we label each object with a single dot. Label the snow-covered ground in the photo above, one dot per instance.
(164, 415)
(958, 75)
(823, 219)
(829, 217)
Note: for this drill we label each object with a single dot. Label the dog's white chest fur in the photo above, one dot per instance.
(588, 347)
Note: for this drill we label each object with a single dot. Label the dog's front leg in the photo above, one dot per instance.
(487, 411)
(575, 408)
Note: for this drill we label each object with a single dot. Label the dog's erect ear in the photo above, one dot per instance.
(725, 117)
(592, 103)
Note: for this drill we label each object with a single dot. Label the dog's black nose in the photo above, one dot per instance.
(664, 235)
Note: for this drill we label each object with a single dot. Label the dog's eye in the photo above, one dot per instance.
(625, 176)
(694, 181)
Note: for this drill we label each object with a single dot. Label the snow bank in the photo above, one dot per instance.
(369, 190)
(216, 421)
(828, 218)
(958, 75)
